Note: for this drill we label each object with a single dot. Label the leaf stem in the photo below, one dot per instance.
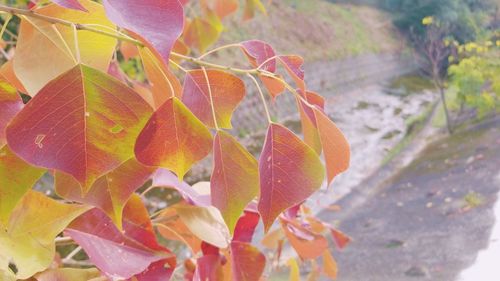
(72, 254)
(120, 36)
(4, 26)
(212, 106)
(77, 48)
(263, 98)
(218, 49)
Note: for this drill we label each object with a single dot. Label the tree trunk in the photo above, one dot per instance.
(446, 113)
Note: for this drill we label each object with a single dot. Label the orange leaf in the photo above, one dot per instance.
(247, 262)
(335, 145)
(201, 34)
(306, 243)
(163, 82)
(227, 93)
(290, 171)
(88, 122)
(52, 48)
(235, 178)
(329, 265)
(173, 139)
(171, 227)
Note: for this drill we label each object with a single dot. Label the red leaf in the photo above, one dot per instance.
(235, 178)
(245, 227)
(10, 105)
(208, 268)
(260, 53)
(293, 65)
(173, 139)
(335, 146)
(70, 4)
(158, 22)
(120, 254)
(86, 125)
(290, 171)
(247, 262)
(341, 240)
(227, 93)
(164, 84)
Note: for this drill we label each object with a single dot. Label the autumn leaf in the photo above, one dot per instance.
(235, 178)
(307, 244)
(245, 227)
(121, 254)
(171, 227)
(173, 139)
(16, 178)
(335, 146)
(165, 178)
(329, 265)
(68, 274)
(163, 82)
(10, 105)
(247, 262)
(89, 123)
(27, 242)
(157, 22)
(201, 34)
(290, 171)
(251, 6)
(110, 192)
(224, 8)
(206, 223)
(45, 51)
(294, 270)
(7, 73)
(308, 119)
(70, 4)
(294, 66)
(262, 55)
(227, 93)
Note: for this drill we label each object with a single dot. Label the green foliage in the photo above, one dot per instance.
(476, 79)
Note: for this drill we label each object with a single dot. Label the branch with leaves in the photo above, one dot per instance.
(103, 134)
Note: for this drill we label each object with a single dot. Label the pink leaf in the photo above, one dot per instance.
(70, 4)
(158, 22)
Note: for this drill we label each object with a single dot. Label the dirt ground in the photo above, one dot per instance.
(428, 222)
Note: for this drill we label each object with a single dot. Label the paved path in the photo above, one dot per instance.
(430, 221)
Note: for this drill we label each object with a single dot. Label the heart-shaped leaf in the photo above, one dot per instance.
(235, 178)
(290, 171)
(44, 50)
(227, 93)
(27, 242)
(247, 262)
(86, 125)
(120, 254)
(173, 139)
(158, 22)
